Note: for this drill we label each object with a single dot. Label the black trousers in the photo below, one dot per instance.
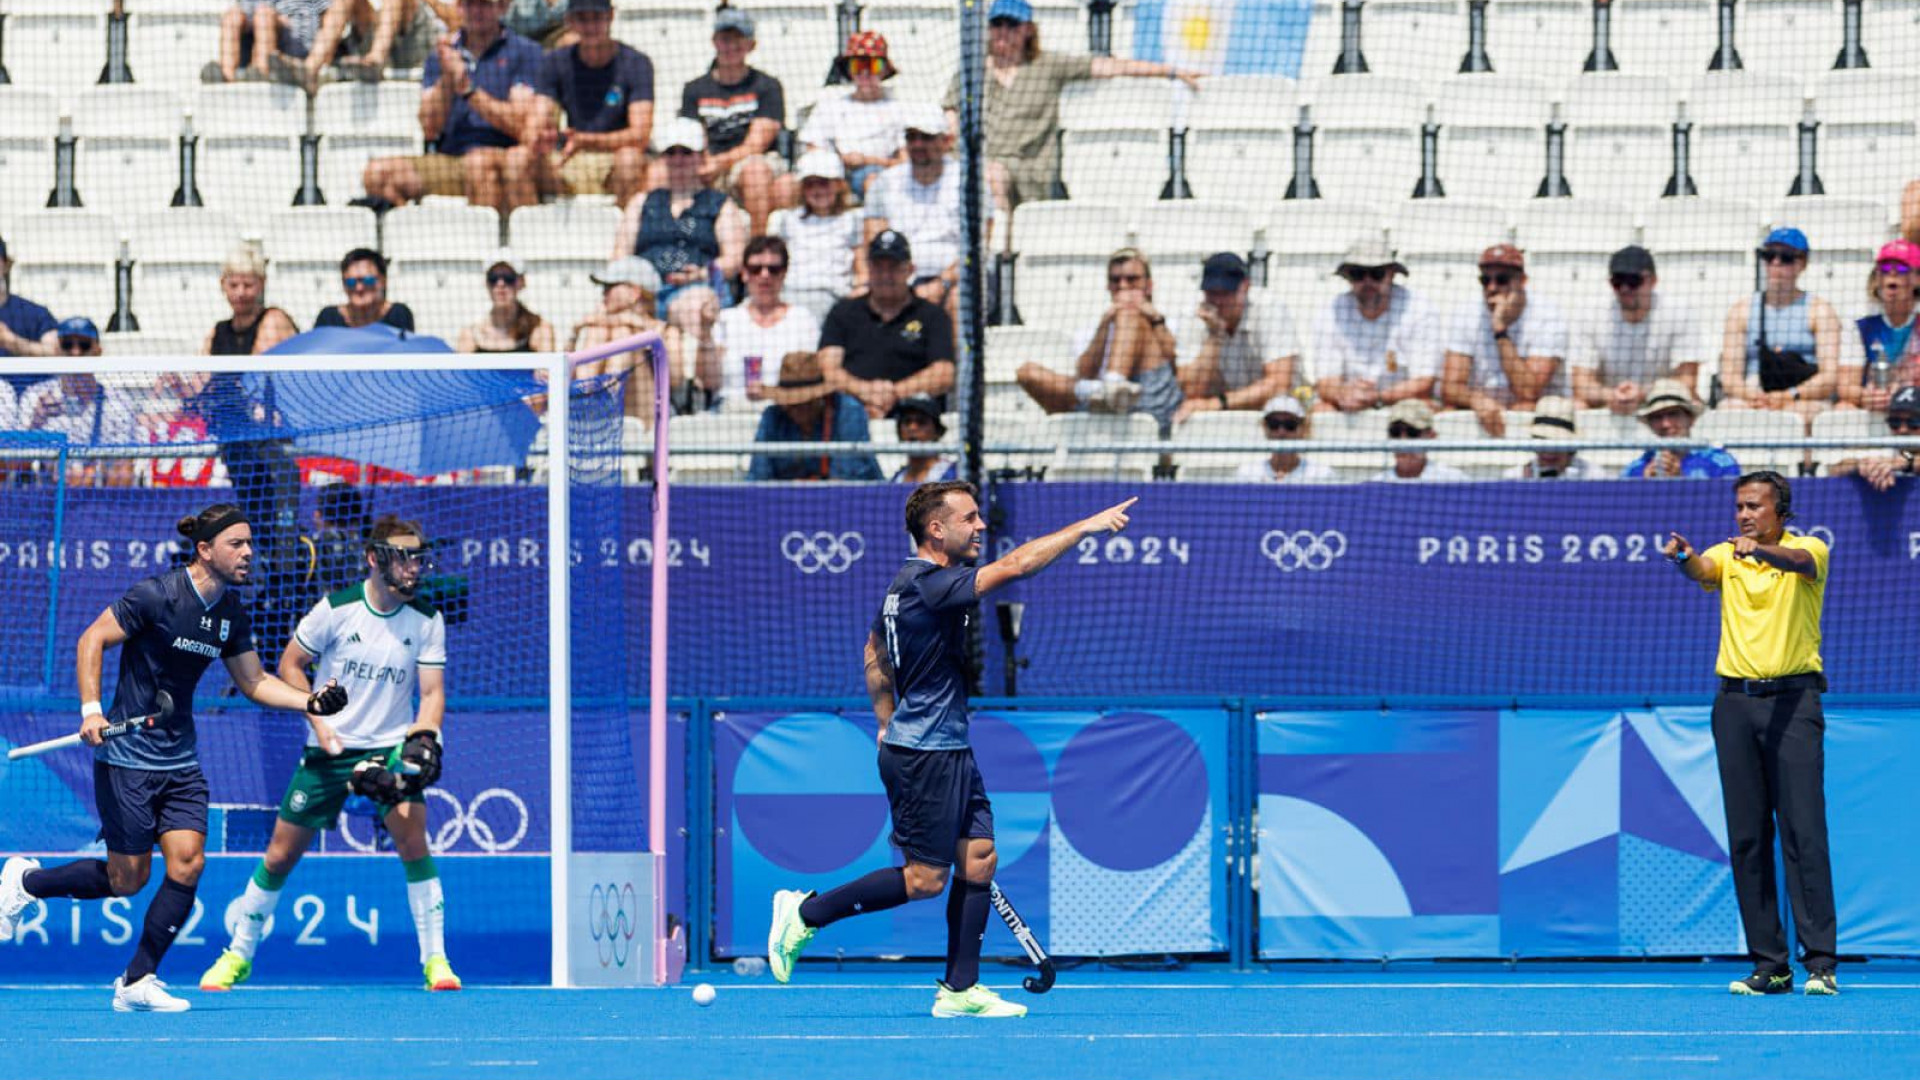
(1772, 758)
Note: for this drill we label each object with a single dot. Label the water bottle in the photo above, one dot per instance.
(1882, 370)
(750, 967)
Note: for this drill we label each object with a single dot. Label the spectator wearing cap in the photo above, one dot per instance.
(1782, 346)
(1888, 355)
(26, 328)
(87, 413)
(917, 420)
(629, 287)
(1669, 412)
(737, 354)
(691, 232)
(1237, 352)
(476, 89)
(890, 343)
(742, 110)
(865, 128)
(807, 408)
(253, 327)
(1635, 340)
(509, 326)
(1023, 101)
(921, 198)
(605, 88)
(363, 277)
(1881, 471)
(1377, 343)
(1125, 361)
(1552, 419)
(1285, 421)
(824, 234)
(1506, 351)
(1412, 419)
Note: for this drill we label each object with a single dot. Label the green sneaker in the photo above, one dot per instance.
(440, 974)
(1762, 983)
(788, 937)
(226, 972)
(975, 1000)
(1822, 984)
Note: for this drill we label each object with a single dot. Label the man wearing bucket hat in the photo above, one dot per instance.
(1669, 412)
(865, 127)
(1377, 343)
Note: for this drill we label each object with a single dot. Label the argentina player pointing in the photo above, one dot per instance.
(147, 785)
(917, 679)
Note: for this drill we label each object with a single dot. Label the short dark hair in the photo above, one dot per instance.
(1782, 491)
(764, 243)
(927, 499)
(388, 526)
(378, 260)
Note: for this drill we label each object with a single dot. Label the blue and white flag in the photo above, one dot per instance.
(1224, 37)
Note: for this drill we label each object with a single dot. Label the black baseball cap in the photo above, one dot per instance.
(922, 404)
(890, 244)
(1222, 271)
(1905, 402)
(1632, 259)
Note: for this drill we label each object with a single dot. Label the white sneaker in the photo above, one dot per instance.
(13, 894)
(147, 995)
(1116, 396)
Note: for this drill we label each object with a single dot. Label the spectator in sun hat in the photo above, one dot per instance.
(1505, 351)
(1285, 421)
(864, 127)
(628, 288)
(1881, 471)
(1552, 419)
(1669, 412)
(1412, 419)
(1797, 369)
(1636, 338)
(1883, 347)
(1376, 343)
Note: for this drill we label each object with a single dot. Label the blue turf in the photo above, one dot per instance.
(1430, 1021)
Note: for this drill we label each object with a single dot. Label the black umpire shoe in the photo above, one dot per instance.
(1822, 984)
(1763, 982)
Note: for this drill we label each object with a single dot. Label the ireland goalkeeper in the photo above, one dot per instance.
(378, 639)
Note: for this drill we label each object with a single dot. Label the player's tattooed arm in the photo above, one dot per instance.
(879, 683)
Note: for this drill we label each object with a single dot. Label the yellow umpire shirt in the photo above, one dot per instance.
(1769, 618)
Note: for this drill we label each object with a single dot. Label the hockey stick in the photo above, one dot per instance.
(162, 709)
(1022, 933)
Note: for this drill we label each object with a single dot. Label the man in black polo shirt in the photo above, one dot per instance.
(888, 344)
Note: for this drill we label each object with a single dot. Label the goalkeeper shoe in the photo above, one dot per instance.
(440, 974)
(975, 1000)
(147, 994)
(226, 972)
(14, 897)
(788, 937)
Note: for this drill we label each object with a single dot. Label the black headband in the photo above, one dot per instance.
(1553, 421)
(219, 524)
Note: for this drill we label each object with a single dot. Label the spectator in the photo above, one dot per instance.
(606, 90)
(888, 344)
(808, 409)
(1637, 339)
(1889, 356)
(1235, 354)
(1506, 351)
(1552, 419)
(1126, 360)
(1881, 471)
(372, 38)
(629, 287)
(917, 419)
(1286, 421)
(275, 32)
(26, 328)
(864, 129)
(476, 89)
(739, 348)
(543, 21)
(254, 327)
(1023, 102)
(689, 230)
(88, 414)
(508, 326)
(824, 235)
(337, 549)
(1377, 343)
(742, 110)
(1412, 418)
(1782, 346)
(921, 199)
(363, 275)
(1669, 412)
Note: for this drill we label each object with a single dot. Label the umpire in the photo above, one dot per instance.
(1768, 729)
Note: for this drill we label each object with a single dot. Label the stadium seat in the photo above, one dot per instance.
(1567, 243)
(561, 245)
(1240, 130)
(677, 36)
(1704, 248)
(1060, 275)
(1440, 240)
(1539, 39)
(1413, 39)
(1008, 347)
(127, 160)
(1493, 136)
(1672, 38)
(64, 260)
(1066, 430)
(58, 46)
(1890, 31)
(1848, 424)
(1869, 146)
(1845, 235)
(176, 269)
(1305, 239)
(1719, 426)
(1366, 145)
(1238, 426)
(1459, 424)
(357, 122)
(143, 344)
(923, 40)
(711, 430)
(1322, 48)
(1606, 424)
(1178, 236)
(29, 122)
(1114, 145)
(1619, 136)
(1800, 38)
(794, 40)
(304, 246)
(169, 41)
(1746, 134)
(249, 157)
(439, 252)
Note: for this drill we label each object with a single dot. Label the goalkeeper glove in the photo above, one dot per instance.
(328, 700)
(420, 759)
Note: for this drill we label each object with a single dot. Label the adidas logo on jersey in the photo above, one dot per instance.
(353, 639)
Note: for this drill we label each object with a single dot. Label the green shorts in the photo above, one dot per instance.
(319, 786)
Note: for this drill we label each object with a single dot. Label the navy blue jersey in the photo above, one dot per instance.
(172, 635)
(923, 627)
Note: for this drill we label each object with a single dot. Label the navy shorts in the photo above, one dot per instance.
(137, 805)
(937, 798)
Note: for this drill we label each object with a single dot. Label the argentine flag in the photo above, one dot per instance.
(1224, 37)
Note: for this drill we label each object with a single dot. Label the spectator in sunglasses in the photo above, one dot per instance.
(1412, 420)
(363, 276)
(1377, 343)
(87, 413)
(865, 129)
(1125, 361)
(1889, 352)
(1789, 323)
(1882, 471)
(921, 199)
(1669, 412)
(1240, 350)
(509, 326)
(1636, 339)
(1506, 351)
(1285, 421)
(737, 351)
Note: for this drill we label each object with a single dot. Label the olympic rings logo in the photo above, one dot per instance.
(1303, 550)
(463, 820)
(612, 921)
(823, 551)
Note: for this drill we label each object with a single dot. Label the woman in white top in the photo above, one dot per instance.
(737, 351)
(823, 233)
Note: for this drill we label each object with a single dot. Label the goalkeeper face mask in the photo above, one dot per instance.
(402, 568)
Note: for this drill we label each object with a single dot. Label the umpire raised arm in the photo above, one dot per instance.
(1768, 730)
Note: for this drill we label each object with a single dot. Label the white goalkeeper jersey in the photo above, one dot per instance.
(376, 656)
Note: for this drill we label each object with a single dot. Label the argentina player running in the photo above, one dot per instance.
(917, 679)
(148, 785)
(382, 642)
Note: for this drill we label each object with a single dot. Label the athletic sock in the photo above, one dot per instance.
(254, 908)
(429, 906)
(877, 891)
(1084, 389)
(966, 928)
(83, 880)
(165, 916)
